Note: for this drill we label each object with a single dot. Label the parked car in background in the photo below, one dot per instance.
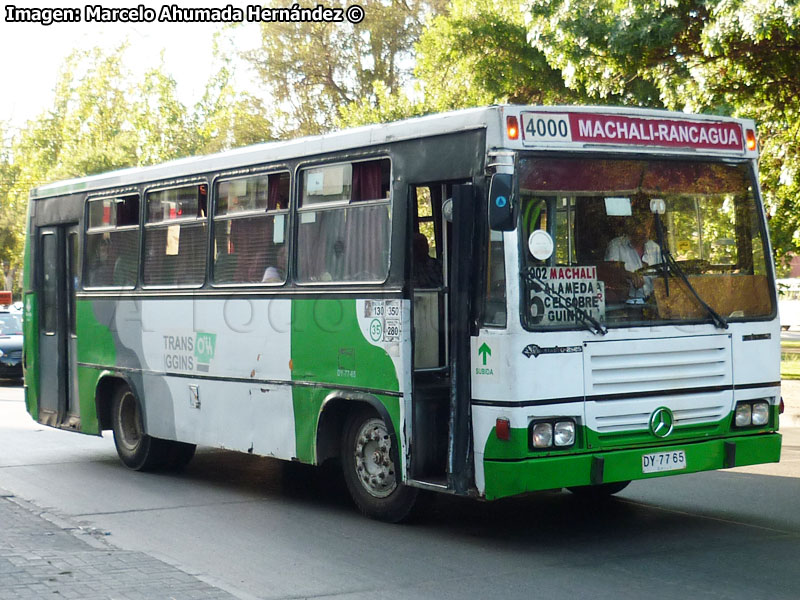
(10, 344)
(789, 302)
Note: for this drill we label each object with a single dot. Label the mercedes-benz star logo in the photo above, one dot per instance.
(662, 422)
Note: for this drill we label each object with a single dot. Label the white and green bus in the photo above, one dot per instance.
(486, 302)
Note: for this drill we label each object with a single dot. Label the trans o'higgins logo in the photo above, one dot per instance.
(189, 352)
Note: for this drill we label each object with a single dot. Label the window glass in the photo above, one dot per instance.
(188, 202)
(624, 232)
(323, 185)
(10, 324)
(346, 242)
(495, 308)
(250, 235)
(50, 287)
(112, 242)
(175, 237)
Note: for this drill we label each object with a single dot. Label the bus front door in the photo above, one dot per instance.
(57, 364)
(442, 274)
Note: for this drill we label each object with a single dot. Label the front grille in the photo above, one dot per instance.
(626, 381)
(657, 365)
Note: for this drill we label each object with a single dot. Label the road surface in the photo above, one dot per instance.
(260, 528)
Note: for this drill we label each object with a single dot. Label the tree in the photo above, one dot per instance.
(475, 54)
(478, 54)
(102, 119)
(311, 69)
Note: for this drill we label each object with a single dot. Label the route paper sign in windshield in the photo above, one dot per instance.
(563, 292)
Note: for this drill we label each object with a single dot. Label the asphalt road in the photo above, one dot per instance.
(260, 528)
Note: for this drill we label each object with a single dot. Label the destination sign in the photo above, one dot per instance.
(565, 292)
(546, 127)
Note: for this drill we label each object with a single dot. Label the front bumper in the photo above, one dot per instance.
(10, 367)
(511, 477)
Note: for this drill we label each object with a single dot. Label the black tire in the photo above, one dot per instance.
(369, 471)
(136, 449)
(598, 492)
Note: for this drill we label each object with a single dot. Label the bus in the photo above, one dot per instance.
(486, 302)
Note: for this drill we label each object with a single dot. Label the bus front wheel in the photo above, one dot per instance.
(598, 492)
(369, 471)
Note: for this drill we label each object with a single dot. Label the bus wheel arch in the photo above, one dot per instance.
(334, 414)
(119, 409)
(106, 388)
(369, 454)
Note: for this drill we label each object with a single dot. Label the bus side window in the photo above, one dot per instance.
(494, 312)
(250, 229)
(112, 242)
(175, 236)
(344, 222)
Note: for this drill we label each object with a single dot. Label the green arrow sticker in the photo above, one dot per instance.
(484, 351)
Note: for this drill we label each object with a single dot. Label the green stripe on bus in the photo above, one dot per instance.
(510, 478)
(328, 348)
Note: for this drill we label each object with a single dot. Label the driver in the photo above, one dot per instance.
(636, 250)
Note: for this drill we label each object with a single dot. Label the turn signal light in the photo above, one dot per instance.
(750, 137)
(512, 128)
(502, 429)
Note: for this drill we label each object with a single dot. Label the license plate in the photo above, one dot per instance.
(663, 461)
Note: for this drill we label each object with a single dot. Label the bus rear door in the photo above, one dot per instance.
(58, 268)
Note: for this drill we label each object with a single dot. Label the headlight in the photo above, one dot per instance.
(743, 415)
(760, 413)
(564, 433)
(542, 435)
(553, 433)
(752, 413)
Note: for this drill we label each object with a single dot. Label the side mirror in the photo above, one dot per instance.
(501, 205)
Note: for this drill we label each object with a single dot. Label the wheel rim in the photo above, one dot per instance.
(374, 465)
(130, 422)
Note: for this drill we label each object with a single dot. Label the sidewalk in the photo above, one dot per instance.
(43, 558)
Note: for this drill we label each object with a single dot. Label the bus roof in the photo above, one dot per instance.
(382, 133)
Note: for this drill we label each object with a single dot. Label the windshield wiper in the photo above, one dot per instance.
(668, 263)
(587, 319)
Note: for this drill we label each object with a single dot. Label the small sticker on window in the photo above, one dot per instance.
(173, 240)
(278, 230)
(618, 206)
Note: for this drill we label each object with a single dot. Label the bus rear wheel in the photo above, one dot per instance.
(369, 471)
(136, 449)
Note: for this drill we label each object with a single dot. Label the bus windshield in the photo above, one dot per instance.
(639, 242)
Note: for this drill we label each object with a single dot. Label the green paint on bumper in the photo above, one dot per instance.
(509, 478)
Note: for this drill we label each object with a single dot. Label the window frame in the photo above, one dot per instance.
(287, 212)
(145, 226)
(341, 205)
(88, 231)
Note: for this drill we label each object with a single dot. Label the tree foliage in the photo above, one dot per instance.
(311, 69)
(478, 54)
(103, 118)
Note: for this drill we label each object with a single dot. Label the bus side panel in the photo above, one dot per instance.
(96, 346)
(30, 319)
(340, 344)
